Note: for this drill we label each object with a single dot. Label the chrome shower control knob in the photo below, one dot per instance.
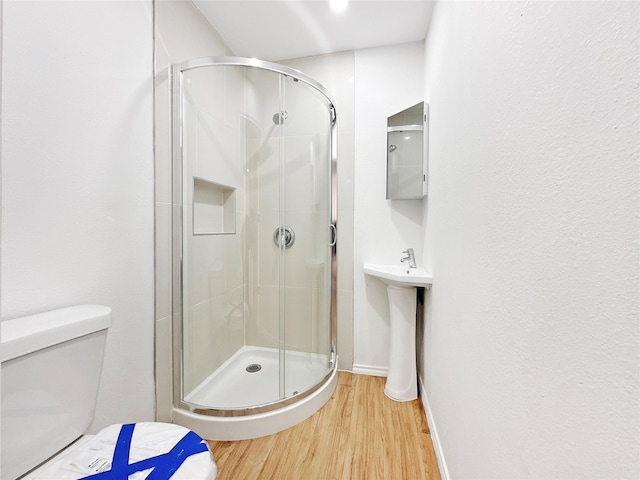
(284, 237)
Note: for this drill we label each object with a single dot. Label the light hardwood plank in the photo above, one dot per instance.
(360, 434)
(326, 452)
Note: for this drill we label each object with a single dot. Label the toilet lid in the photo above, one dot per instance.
(158, 451)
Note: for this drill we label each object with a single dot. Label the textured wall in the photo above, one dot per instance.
(77, 186)
(531, 340)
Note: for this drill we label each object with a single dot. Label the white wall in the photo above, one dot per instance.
(532, 340)
(387, 81)
(77, 185)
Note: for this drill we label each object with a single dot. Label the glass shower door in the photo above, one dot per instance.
(305, 287)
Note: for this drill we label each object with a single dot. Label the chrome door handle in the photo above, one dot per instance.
(334, 235)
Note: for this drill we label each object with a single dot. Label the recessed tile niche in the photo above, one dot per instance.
(214, 208)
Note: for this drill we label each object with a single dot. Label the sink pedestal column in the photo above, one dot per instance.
(402, 379)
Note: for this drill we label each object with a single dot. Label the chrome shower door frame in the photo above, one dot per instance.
(177, 95)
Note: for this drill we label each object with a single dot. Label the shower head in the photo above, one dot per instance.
(280, 117)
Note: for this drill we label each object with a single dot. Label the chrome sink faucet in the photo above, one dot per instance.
(411, 258)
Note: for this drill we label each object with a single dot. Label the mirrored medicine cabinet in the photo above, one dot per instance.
(407, 151)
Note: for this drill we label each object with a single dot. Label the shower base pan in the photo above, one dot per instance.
(251, 378)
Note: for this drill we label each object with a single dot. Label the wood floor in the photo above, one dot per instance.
(360, 434)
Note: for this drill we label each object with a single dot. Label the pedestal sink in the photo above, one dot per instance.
(402, 283)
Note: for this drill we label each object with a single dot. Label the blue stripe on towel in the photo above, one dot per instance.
(164, 465)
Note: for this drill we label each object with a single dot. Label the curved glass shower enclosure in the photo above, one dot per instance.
(254, 236)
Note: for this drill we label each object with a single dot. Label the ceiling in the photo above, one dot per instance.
(282, 29)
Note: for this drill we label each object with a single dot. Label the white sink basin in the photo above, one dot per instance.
(400, 275)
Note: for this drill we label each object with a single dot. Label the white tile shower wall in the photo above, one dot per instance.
(304, 202)
(213, 270)
(77, 183)
(532, 235)
(387, 80)
(181, 33)
(261, 270)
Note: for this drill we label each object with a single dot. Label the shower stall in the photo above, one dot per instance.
(254, 245)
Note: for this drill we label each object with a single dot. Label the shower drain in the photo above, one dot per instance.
(254, 367)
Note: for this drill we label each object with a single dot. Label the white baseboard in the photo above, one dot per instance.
(444, 473)
(369, 370)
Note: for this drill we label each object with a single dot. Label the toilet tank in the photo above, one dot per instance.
(51, 364)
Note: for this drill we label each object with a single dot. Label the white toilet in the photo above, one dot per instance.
(51, 364)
